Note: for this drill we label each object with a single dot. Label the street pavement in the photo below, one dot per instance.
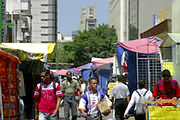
(109, 117)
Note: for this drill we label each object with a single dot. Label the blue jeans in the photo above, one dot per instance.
(46, 116)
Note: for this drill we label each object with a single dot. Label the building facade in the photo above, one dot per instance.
(18, 13)
(141, 16)
(44, 21)
(118, 17)
(88, 18)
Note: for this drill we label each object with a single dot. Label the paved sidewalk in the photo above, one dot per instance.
(109, 117)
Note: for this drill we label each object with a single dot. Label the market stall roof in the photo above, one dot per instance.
(35, 50)
(61, 72)
(75, 70)
(45, 48)
(86, 66)
(103, 61)
(173, 38)
(144, 45)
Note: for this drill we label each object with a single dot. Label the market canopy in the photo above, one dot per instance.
(144, 45)
(75, 70)
(45, 48)
(39, 50)
(98, 63)
(61, 72)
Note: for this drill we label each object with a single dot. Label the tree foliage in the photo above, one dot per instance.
(99, 42)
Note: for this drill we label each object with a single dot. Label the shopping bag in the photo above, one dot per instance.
(104, 107)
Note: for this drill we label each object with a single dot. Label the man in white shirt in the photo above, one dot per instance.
(120, 93)
(88, 102)
(135, 98)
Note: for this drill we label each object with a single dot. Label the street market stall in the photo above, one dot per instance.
(156, 112)
(9, 101)
(143, 61)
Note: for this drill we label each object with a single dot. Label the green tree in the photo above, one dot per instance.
(99, 42)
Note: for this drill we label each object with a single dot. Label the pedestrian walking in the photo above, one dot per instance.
(89, 100)
(69, 86)
(139, 97)
(47, 97)
(120, 94)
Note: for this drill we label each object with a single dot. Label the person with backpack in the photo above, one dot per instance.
(47, 97)
(139, 97)
(89, 100)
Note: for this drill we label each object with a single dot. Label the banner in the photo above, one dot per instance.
(169, 66)
(163, 113)
(110, 86)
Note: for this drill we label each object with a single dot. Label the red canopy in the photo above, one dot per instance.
(103, 61)
(61, 72)
(145, 45)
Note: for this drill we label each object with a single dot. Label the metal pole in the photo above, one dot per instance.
(137, 71)
(149, 77)
(1, 104)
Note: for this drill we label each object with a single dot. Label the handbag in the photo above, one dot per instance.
(103, 107)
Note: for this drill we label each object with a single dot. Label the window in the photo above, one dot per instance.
(48, 34)
(48, 4)
(46, 12)
(47, 27)
(48, 19)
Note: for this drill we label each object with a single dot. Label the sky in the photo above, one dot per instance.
(69, 12)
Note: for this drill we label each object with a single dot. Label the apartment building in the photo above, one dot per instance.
(44, 21)
(88, 18)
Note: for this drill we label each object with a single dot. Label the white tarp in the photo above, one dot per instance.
(44, 48)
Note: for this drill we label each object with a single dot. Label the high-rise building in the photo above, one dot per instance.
(88, 18)
(44, 21)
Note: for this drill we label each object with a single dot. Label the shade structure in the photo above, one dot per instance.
(145, 45)
(98, 63)
(75, 70)
(61, 72)
(86, 66)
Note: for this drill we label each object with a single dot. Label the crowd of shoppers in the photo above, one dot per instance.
(48, 95)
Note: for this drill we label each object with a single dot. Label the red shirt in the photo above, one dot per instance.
(48, 99)
(166, 90)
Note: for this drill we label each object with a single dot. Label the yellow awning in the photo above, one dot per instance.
(38, 50)
(45, 48)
